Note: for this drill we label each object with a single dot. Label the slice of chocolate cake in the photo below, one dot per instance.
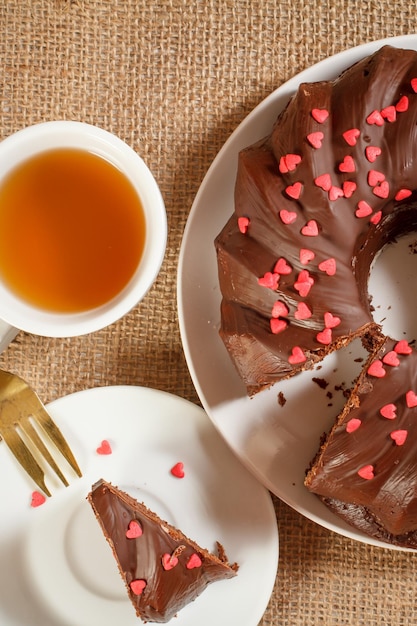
(162, 569)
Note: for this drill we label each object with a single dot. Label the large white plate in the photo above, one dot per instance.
(56, 568)
(277, 443)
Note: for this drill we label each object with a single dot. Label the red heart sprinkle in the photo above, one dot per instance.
(364, 209)
(269, 280)
(372, 153)
(104, 448)
(376, 369)
(294, 191)
(311, 229)
(347, 165)
(325, 336)
(328, 266)
(279, 309)
(402, 104)
(287, 217)
(302, 312)
(382, 190)
(282, 267)
(306, 256)
(414, 84)
(291, 161)
(335, 193)
(376, 218)
(315, 139)
(137, 586)
(277, 325)
(351, 135)
(178, 470)
(389, 113)
(324, 181)
(375, 118)
(37, 499)
(399, 436)
(403, 347)
(366, 472)
(282, 166)
(243, 224)
(169, 561)
(304, 283)
(352, 425)
(349, 188)
(375, 177)
(320, 115)
(297, 356)
(134, 530)
(331, 321)
(389, 411)
(402, 194)
(411, 399)
(391, 358)
(194, 561)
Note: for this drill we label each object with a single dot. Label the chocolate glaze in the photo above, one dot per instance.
(166, 591)
(377, 82)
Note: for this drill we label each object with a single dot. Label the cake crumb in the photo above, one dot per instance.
(281, 399)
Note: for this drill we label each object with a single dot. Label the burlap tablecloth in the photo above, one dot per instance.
(173, 79)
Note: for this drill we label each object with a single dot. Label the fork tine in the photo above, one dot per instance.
(26, 459)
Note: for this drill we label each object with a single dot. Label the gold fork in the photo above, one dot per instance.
(20, 410)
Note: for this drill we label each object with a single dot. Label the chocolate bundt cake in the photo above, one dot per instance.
(315, 202)
(162, 569)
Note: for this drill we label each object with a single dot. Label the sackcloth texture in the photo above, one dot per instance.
(174, 78)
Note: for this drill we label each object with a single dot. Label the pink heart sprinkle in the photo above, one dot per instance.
(282, 267)
(376, 218)
(372, 153)
(311, 229)
(402, 104)
(376, 369)
(402, 194)
(169, 561)
(320, 115)
(331, 321)
(315, 139)
(291, 161)
(349, 188)
(399, 436)
(366, 472)
(351, 136)
(323, 181)
(269, 280)
(352, 425)
(302, 312)
(306, 256)
(277, 325)
(389, 113)
(137, 586)
(411, 399)
(325, 336)
(375, 118)
(389, 411)
(134, 530)
(381, 190)
(335, 193)
(391, 358)
(287, 217)
(194, 561)
(304, 283)
(294, 191)
(364, 209)
(279, 309)
(403, 347)
(375, 177)
(37, 499)
(297, 356)
(328, 266)
(413, 83)
(347, 165)
(243, 224)
(178, 470)
(104, 447)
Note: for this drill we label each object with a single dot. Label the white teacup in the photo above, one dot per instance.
(29, 142)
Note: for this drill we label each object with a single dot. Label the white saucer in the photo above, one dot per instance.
(56, 567)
